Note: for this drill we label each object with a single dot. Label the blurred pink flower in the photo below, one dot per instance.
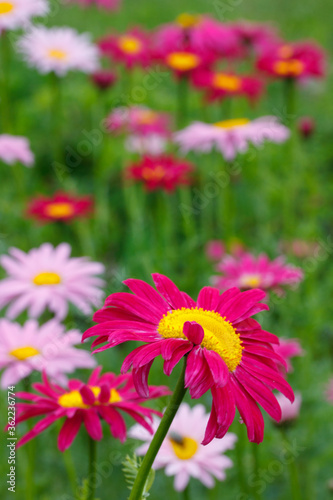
(138, 120)
(306, 126)
(46, 277)
(104, 79)
(329, 391)
(19, 13)
(182, 454)
(247, 271)
(215, 250)
(231, 136)
(290, 411)
(58, 50)
(132, 48)
(287, 349)
(14, 148)
(48, 348)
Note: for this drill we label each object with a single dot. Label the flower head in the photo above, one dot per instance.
(287, 349)
(14, 148)
(306, 126)
(254, 37)
(226, 350)
(58, 50)
(47, 277)
(186, 62)
(131, 48)
(248, 271)
(286, 60)
(182, 454)
(24, 349)
(161, 172)
(61, 207)
(220, 84)
(102, 397)
(290, 410)
(231, 136)
(19, 13)
(103, 79)
(138, 120)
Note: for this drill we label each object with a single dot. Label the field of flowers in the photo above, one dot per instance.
(166, 250)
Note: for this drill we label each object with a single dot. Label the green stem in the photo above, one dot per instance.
(256, 467)
(5, 96)
(170, 412)
(295, 489)
(240, 453)
(92, 463)
(30, 450)
(70, 469)
(182, 101)
(186, 493)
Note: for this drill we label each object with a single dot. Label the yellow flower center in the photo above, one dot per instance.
(47, 279)
(227, 82)
(155, 174)
(250, 281)
(57, 54)
(182, 61)
(23, 353)
(219, 334)
(129, 44)
(59, 210)
(184, 447)
(73, 399)
(237, 122)
(6, 7)
(292, 67)
(186, 20)
(285, 52)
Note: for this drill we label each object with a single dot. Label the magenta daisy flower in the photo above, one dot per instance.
(24, 349)
(226, 350)
(247, 271)
(47, 277)
(182, 455)
(102, 397)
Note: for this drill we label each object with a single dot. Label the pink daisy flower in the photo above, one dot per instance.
(47, 277)
(299, 60)
(19, 13)
(14, 148)
(131, 48)
(138, 121)
(254, 37)
(287, 349)
(102, 397)
(329, 391)
(220, 84)
(226, 350)
(24, 349)
(182, 455)
(59, 50)
(248, 271)
(231, 137)
(290, 411)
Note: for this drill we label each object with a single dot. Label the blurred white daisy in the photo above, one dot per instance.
(47, 277)
(15, 148)
(181, 453)
(59, 50)
(18, 13)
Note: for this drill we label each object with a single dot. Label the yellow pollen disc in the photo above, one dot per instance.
(153, 174)
(114, 395)
(185, 448)
(57, 54)
(285, 52)
(23, 353)
(147, 116)
(130, 44)
(59, 210)
(182, 61)
(237, 122)
(6, 7)
(47, 279)
(227, 82)
(219, 334)
(250, 281)
(72, 399)
(186, 20)
(292, 67)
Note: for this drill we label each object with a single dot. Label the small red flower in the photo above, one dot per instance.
(61, 207)
(103, 79)
(131, 48)
(161, 172)
(297, 60)
(103, 397)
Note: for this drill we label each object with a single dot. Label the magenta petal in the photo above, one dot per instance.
(169, 346)
(104, 395)
(141, 356)
(211, 428)
(135, 305)
(227, 296)
(147, 292)
(178, 353)
(208, 298)
(93, 424)
(194, 332)
(87, 395)
(140, 379)
(241, 304)
(68, 432)
(115, 421)
(169, 291)
(224, 403)
(217, 366)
